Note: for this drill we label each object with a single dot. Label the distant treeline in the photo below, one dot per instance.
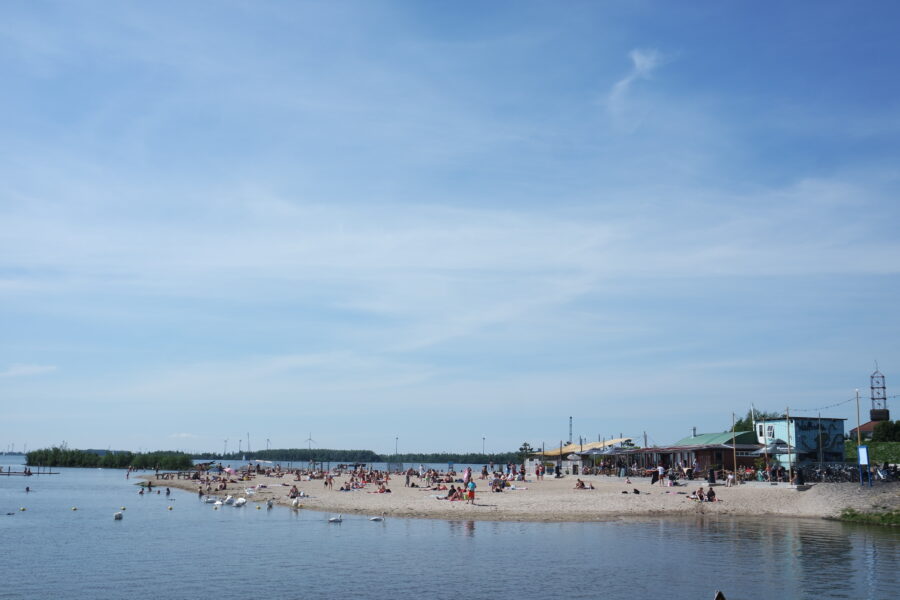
(65, 457)
(302, 455)
(296, 455)
(472, 458)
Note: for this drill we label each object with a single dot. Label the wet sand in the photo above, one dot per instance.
(557, 500)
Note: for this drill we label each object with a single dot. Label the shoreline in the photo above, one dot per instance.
(555, 500)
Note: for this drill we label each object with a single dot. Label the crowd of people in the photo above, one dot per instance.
(450, 484)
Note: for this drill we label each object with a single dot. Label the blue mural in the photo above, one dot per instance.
(811, 439)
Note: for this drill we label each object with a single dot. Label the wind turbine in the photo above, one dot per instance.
(310, 441)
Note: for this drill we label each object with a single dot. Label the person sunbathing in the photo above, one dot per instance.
(579, 485)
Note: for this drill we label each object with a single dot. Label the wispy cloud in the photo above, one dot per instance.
(21, 370)
(438, 219)
(644, 62)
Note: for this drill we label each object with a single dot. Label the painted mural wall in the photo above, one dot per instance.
(807, 436)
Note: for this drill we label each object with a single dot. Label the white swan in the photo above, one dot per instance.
(295, 503)
(381, 518)
(240, 502)
(229, 499)
(336, 519)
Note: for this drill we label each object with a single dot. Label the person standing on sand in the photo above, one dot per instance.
(470, 492)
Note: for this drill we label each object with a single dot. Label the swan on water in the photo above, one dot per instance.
(381, 518)
(336, 519)
(240, 502)
(229, 499)
(295, 503)
(117, 516)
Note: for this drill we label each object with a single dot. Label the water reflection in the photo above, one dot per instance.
(464, 528)
(674, 558)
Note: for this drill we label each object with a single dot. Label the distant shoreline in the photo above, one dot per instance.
(556, 500)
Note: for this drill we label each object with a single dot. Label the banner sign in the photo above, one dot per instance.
(864, 455)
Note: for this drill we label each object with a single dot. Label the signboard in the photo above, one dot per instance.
(864, 455)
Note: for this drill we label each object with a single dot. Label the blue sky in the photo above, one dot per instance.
(441, 222)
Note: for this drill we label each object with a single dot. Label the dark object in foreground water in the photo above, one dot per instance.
(719, 596)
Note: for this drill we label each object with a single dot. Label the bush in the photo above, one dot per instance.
(879, 452)
(888, 517)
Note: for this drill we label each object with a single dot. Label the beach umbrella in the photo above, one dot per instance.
(777, 446)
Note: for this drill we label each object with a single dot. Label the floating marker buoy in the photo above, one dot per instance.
(123, 508)
(22, 509)
(170, 508)
(74, 508)
(258, 507)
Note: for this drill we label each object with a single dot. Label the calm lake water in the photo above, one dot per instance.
(195, 552)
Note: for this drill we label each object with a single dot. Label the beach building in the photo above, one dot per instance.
(865, 430)
(715, 450)
(799, 440)
(571, 458)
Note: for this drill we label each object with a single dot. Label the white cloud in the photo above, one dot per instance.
(644, 62)
(20, 370)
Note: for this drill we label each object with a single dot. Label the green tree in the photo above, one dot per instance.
(746, 423)
(886, 431)
(524, 451)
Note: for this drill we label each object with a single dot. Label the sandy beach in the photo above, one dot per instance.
(557, 500)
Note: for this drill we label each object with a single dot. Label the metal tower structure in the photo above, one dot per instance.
(879, 410)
